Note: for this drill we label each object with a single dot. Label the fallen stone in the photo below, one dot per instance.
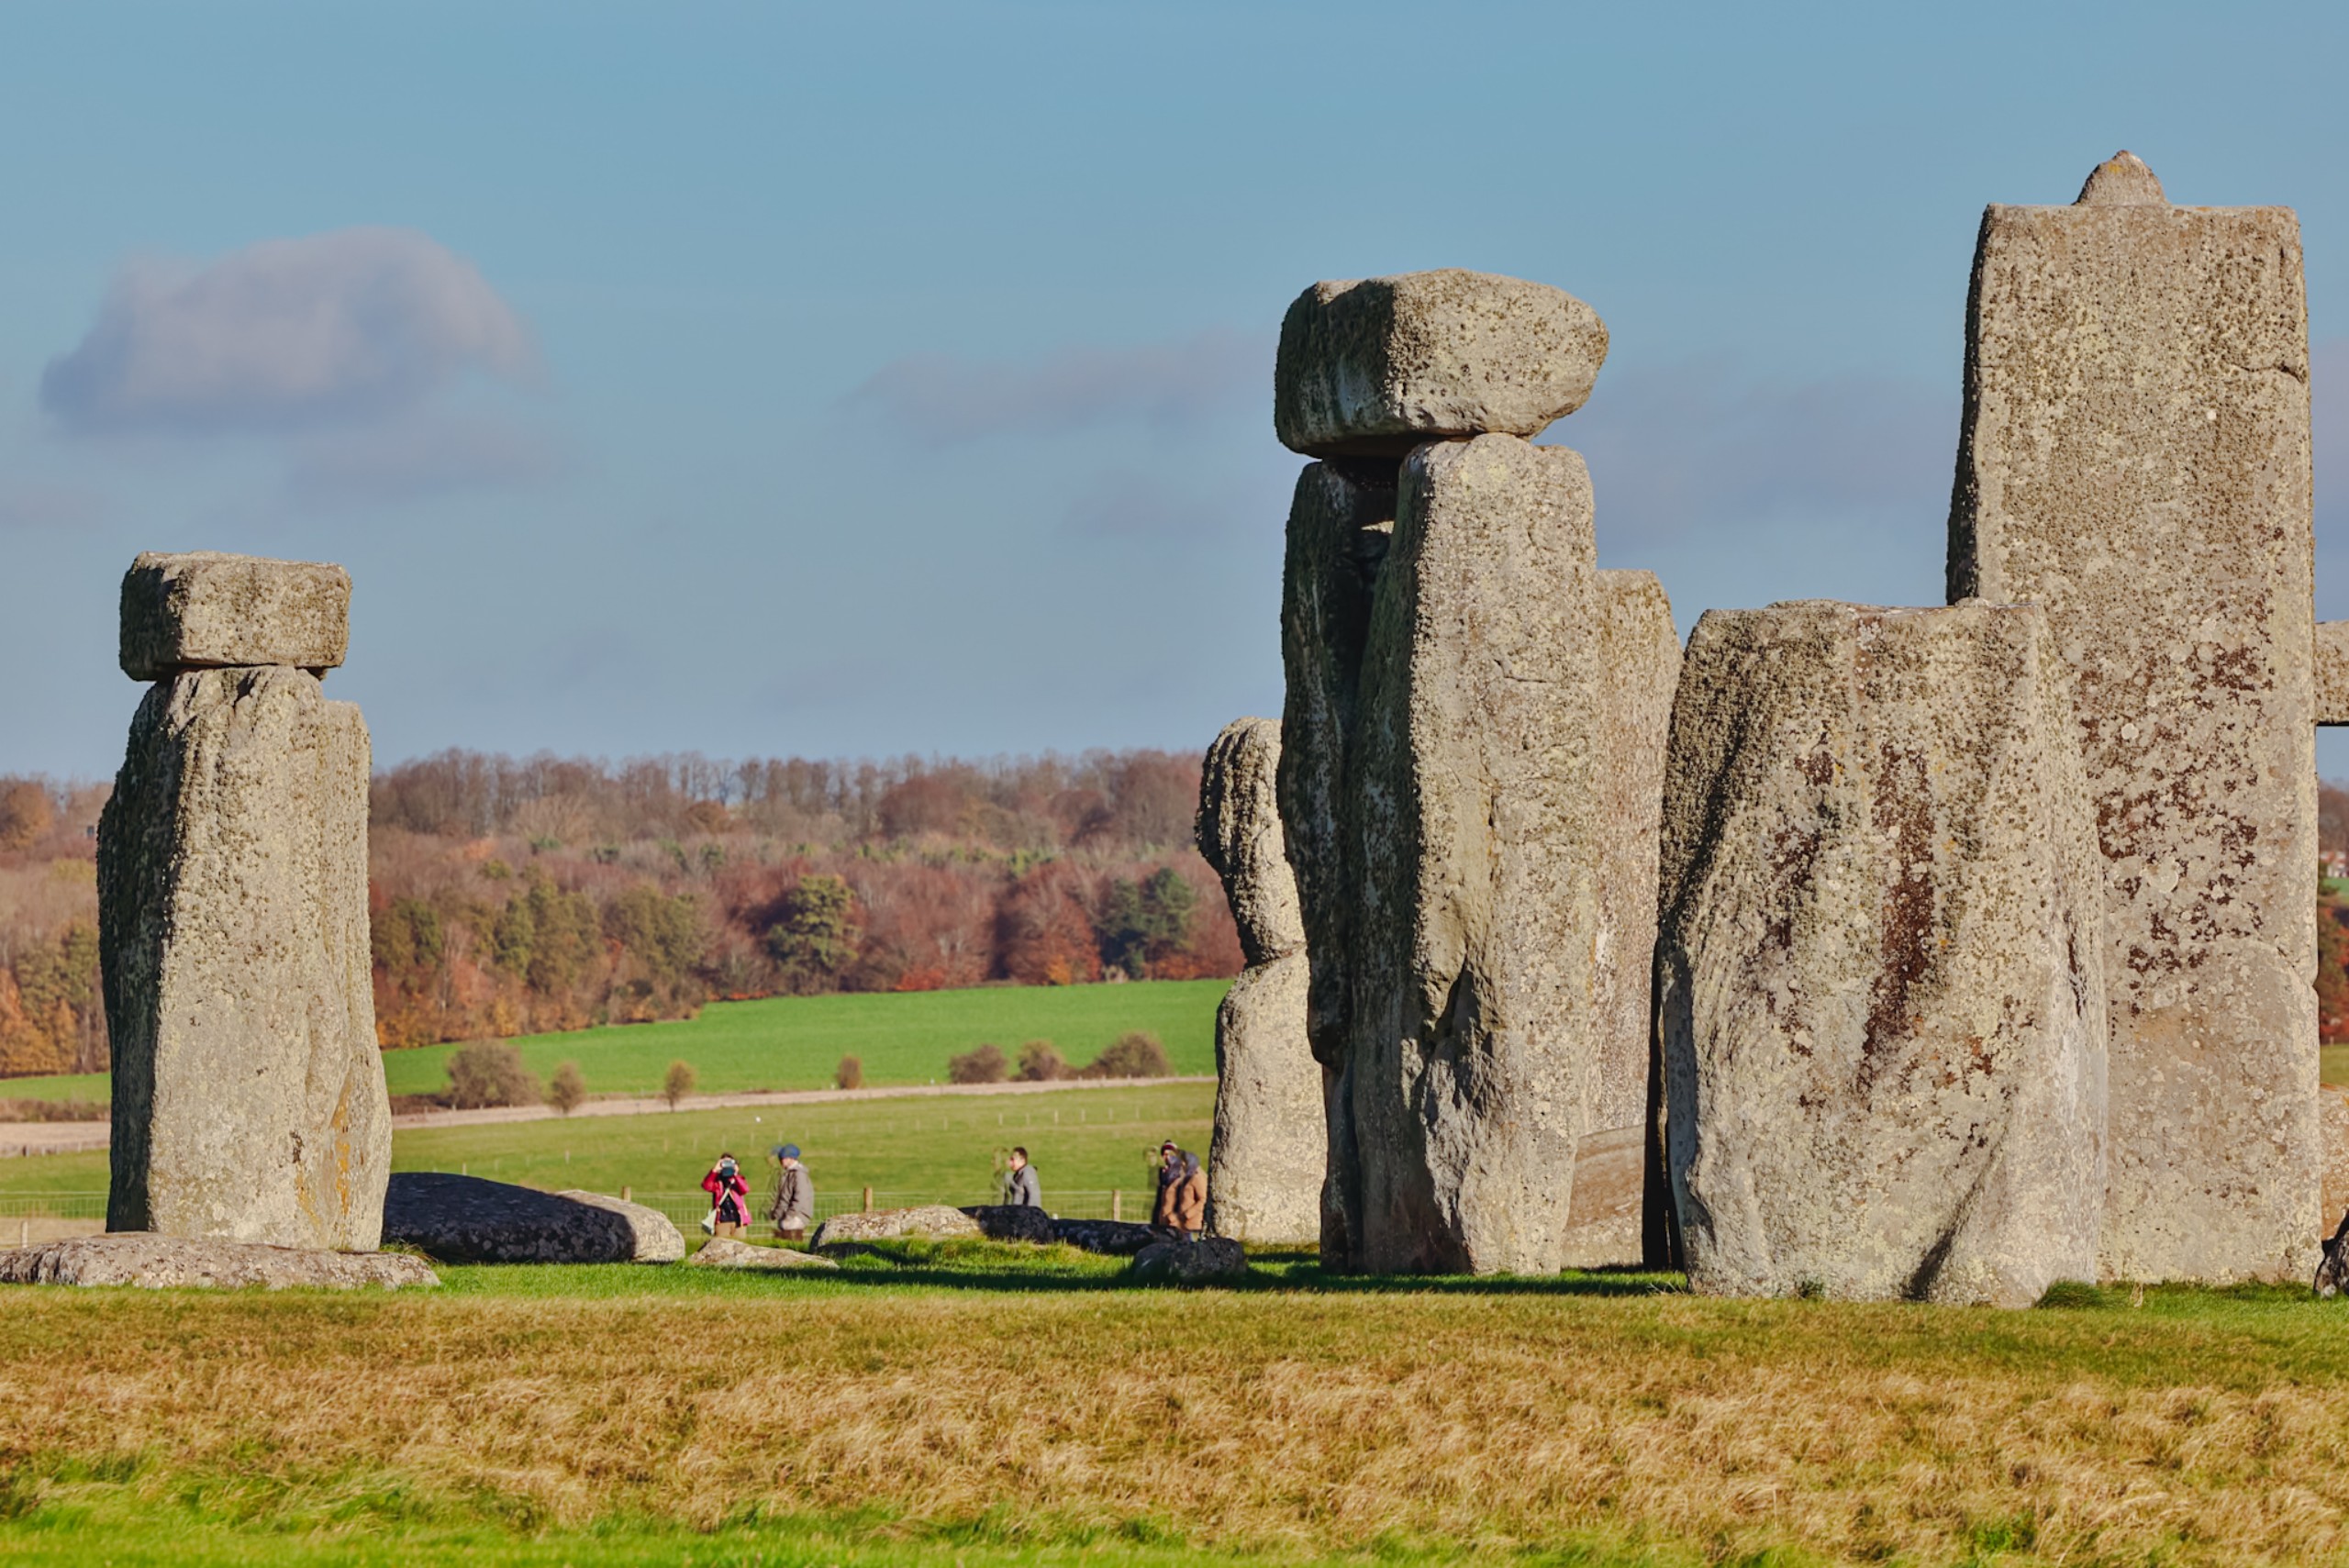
(1013, 1222)
(158, 1263)
(204, 610)
(470, 1219)
(658, 1240)
(726, 1252)
(2332, 672)
(1375, 366)
(933, 1221)
(1477, 814)
(1212, 1260)
(1112, 1238)
(1879, 994)
(2134, 458)
(248, 1101)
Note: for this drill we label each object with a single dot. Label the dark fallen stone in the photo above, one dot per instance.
(470, 1219)
(1013, 1222)
(1114, 1237)
(1213, 1260)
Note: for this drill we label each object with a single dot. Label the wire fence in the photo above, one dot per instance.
(685, 1209)
(52, 1205)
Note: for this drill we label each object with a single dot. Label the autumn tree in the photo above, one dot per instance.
(567, 1090)
(491, 1072)
(817, 939)
(980, 1064)
(677, 1083)
(1143, 922)
(25, 813)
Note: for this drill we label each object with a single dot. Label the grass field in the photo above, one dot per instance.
(979, 1405)
(793, 1043)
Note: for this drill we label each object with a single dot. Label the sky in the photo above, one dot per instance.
(834, 380)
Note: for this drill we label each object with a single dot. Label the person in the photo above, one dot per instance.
(1022, 1190)
(730, 1209)
(793, 1208)
(1181, 1193)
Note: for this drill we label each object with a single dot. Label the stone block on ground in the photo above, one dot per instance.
(1013, 1222)
(726, 1252)
(1375, 366)
(932, 1221)
(204, 610)
(1879, 994)
(1113, 1238)
(2135, 457)
(471, 1220)
(658, 1240)
(158, 1263)
(1212, 1260)
(248, 1100)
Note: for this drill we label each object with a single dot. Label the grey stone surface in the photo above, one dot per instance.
(1639, 669)
(1603, 1227)
(657, 1238)
(248, 1100)
(1374, 366)
(204, 609)
(1474, 807)
(1213, 1260)
(1013, 1222)
(471, 1220)
(2332, 1116)
(934, 1221)
(726, 1252)
(158, 1263)
(1266, 1165)
(2332, 672)
(1879, 990)
(2135, 457)
(1114, 1238)
(2121, 180)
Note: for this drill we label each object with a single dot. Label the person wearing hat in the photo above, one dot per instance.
(1182, 1203)
(793, 1208)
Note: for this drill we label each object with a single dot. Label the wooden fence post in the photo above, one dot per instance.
(1116, 1203)
(868, 1200)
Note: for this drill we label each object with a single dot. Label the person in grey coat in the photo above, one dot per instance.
(793, 1208)
(1020, 1187)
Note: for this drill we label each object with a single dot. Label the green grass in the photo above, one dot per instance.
(795, 1042)
(2335, 1061)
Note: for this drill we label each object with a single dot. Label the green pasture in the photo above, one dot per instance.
(795, 1042)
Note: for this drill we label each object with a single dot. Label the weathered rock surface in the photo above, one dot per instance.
(2135, 457)
(1880, 1000)
(248, 1100)
(470, 1219)
(204, 609)
(726, 1252)
(1013, 1222)
(934, 1221)
(156, 1263)
(2332, 672)
(658, 1240)
(1212, 1260)
(1266, 1165)
(1604, 1227)
(2333, 1115)
(1477, 815)
(1374, 366)
(1112, 1238)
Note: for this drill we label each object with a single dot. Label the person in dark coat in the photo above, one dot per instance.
(729, 1197)
(1182, 1205)
(793, 1208)
(1020, 1187)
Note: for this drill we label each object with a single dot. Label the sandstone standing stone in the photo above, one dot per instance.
(2332, 673)
(1266, 1163)
(1475, 816)
(161, 1262)
(1374, 366)
(204, 609)
(2135, 457)
(1879, 998)
(248, 1100)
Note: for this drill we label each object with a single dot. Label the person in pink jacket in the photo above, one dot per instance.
(729, 1197)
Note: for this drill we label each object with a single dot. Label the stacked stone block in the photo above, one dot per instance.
(249, 1099)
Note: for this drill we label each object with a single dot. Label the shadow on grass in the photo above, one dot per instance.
(966, 1267)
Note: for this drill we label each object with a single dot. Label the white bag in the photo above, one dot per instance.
(709, 1223)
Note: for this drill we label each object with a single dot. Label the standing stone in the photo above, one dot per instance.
(2332, 673)
(1265, 1166)
(248, 1100)
(2135, 457)
(206, 610)
(1477, 820)
(1879, 998)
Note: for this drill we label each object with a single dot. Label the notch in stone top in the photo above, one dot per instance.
(1373, 367)
(2121, 180)
(204, 609)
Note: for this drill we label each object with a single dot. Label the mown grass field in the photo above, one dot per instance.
(795, 1042)
(973, 1404)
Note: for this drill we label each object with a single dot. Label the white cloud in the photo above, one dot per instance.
(285, 334)
(942, 398)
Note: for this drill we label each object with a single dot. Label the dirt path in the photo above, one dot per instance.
(22, 1137)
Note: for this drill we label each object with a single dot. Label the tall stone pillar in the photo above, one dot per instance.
(248, 1100)
(1265, 1166)
(2135, 457)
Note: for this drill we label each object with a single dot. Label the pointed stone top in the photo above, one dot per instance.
(2121, 180)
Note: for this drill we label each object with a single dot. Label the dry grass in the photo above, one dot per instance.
(2201, 1428)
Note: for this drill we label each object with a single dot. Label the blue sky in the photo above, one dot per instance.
(895, 378)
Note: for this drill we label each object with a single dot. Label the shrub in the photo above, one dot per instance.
(980, 1064)
(490, 1073)
(849, 1074)
(677, 1083)
(566, 1089)
(1135, 1055)
(1041, 1063)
